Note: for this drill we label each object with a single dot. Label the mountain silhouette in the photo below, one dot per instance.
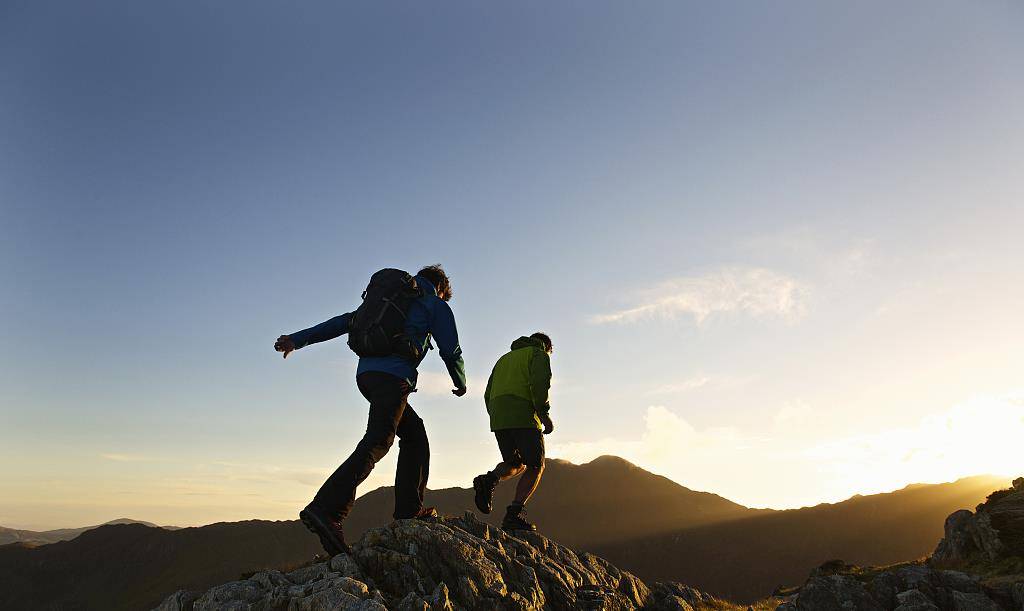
(642, 522)
(451, 563)
(747, 559)
(580, 505)
(131, 566)
(32, 537)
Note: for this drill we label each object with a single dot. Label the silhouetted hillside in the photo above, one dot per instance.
(747, 559)
(33, 537)
(643, 522)
(131, 566)
(579, 505)
(575, 504)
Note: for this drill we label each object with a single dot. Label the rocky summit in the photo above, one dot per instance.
(454, 564)
(978, 566)
(445, 564)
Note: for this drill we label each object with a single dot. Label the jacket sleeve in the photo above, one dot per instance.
(326, 330)
(540, 381)
(447, 336)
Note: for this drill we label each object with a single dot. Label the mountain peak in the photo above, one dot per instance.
(447, 563)
(609, 459)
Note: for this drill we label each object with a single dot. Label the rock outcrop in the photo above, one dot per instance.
(445, 564)
(911, 587)
(455, 564)
(978, 566)
(992, 535)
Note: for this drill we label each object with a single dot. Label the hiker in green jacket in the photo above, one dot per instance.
(517, 401)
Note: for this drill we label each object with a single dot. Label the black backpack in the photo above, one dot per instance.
(377, 327)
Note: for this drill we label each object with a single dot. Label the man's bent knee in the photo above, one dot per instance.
(413, 432)
(379, 443)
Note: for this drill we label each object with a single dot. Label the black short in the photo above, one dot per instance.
(521, 447)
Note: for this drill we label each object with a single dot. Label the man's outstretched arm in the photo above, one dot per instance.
(447, 337)
(329, 329)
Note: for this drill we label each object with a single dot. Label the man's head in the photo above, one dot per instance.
(437, 277)
(543, 337)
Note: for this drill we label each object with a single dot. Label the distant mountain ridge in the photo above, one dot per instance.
(460, 563)
(642, 522)
(875, 529)
(132, 566)
(579, 505)
(33, 537)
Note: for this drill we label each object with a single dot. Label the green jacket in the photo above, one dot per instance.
(517, 391)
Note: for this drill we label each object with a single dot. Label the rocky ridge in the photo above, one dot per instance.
(454, 564)
(445, 564)
(978, 566)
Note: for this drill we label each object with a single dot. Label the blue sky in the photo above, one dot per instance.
(763, 237)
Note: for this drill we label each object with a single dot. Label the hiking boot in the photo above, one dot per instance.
(484, 486)
(423, 514)
(426, 513)
(327, 528)
(515, 519)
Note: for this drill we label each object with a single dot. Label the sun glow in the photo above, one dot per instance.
(981, 435)
(787, 466)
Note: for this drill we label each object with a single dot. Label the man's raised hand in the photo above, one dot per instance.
(284, 344)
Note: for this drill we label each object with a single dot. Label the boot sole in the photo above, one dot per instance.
(476, 499)
(330, 546)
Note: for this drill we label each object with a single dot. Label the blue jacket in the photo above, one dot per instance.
(428, 316)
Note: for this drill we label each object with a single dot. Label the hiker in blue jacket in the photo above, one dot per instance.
(386, 382)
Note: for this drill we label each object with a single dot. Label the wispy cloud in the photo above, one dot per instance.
(754, 291)
(127, 457)
(700, 381)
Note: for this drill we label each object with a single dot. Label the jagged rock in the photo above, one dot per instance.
(437, 601)
(911, 587)
(835, 593)
(958, 544)
(991, 534)
(676, 596)
(182, 599)
(974, 602)
(446, 564)
(914, 600)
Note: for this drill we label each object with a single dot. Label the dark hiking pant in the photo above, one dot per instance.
(390, 415)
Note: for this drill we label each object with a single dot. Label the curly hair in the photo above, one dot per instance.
(548, 346)
(439, 278)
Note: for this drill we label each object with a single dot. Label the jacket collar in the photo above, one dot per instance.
(525, 342)
(426, 286)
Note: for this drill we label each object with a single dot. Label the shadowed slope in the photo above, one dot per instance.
(606, 500)
(140, 564)
(131, 566)
(747, 559)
